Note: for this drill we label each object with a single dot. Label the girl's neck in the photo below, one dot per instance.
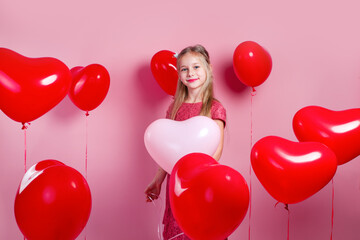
(194, 97)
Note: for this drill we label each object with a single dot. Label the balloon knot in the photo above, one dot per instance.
(253, 91)
(286, 206)
(87, 113)
(24, 126)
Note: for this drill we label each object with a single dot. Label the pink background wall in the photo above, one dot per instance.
(315, 46)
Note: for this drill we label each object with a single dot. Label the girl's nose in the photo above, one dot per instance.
(190, 72)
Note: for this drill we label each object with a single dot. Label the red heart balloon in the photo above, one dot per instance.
(208, 200)
(163, 68)
(339, 130)
(30, 87)
(89, 86)
(53, 202)
(292, 171)
(252, 63)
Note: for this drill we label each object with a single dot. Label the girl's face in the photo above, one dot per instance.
(192, 72)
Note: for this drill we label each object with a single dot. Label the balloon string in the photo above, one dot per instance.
(24, 127)
(25, 160)
(86, 152)
(159, 229)
(253, 93)
(86, 144)
(288, 224)
(288, 221)
(332, 208)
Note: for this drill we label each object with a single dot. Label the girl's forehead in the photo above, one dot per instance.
(190, 57)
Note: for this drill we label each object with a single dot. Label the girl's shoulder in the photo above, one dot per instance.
(218, 111)
(216, 104)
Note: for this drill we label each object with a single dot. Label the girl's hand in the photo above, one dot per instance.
(152, 191)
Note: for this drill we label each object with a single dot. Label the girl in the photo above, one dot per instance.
(194, 96)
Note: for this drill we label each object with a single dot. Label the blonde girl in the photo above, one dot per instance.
(194, 96)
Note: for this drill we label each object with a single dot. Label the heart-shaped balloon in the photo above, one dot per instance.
(163, 68)
(339, 130)
(208, 200)
(168, 140)
(89, 86)
(292, 171)
(30, 87)
(53, 202)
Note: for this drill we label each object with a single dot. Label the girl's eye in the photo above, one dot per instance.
(183, 69)
(196, 67)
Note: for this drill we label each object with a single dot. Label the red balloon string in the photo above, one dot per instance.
(86, 145)
(332, 208)
(253, 93)
(24, 128)
(86, 151)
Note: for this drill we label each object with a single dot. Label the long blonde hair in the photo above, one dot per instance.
(207, 90)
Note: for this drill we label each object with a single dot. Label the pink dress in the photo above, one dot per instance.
(186, 110)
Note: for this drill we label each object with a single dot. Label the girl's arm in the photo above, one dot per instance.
(218, 152)
(154, 188)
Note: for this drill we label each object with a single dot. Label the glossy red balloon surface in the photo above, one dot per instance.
(30, 87)
(252, 63)
(339, 130)
(163, 68)
(89, 86)
(208, 200)
(53, 202)
(292, 171)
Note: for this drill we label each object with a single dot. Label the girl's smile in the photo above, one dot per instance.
(192, 80)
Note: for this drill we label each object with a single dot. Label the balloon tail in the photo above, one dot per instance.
(253, 91)
(332, 208)
(25, 125)
(87, 113)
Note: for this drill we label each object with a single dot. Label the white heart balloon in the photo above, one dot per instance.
(168, 140)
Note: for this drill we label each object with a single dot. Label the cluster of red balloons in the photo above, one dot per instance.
(30, 87)
(208, 200)
(251, 62)
(293, 171)
(53, 202)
